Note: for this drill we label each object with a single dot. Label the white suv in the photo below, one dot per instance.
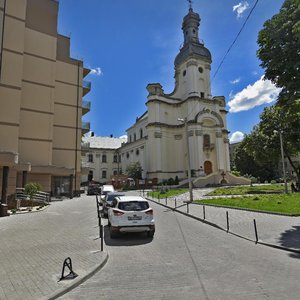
(130, 214)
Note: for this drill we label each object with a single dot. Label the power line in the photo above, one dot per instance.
(230, 47)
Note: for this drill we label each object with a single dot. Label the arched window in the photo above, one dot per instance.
(206, 140)
(141, 133)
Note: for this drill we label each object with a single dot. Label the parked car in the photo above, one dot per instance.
(94, 189)
(130, 214)
(106, 189)
(106, 203)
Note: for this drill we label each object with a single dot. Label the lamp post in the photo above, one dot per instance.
(282, 159)
(184, 121)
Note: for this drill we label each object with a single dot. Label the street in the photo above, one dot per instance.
(190, 260)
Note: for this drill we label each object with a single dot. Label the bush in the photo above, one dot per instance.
(273, 182)
(176, 182)
(266, 181)
(171, 181)
(236, 173)
(253, 179)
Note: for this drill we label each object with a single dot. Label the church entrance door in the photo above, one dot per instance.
(207, 167)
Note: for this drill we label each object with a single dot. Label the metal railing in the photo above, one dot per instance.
(86, 104)
(38, 197)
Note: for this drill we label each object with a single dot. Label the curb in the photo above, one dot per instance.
(223, 229)
(60, 292)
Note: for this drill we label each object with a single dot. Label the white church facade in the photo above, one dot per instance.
(188, 119)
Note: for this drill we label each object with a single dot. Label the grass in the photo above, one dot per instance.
(242, 190)
(168, 194)
(281, 203)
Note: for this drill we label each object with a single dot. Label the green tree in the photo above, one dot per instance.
(31, 189)
(279, 51)
(259, 154)
(134, 170)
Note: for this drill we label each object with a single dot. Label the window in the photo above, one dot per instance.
(206, 140)
(90, 157)
(90, 176)
(104, 159)
(130, 140)
(115, 158)
(200, 69)
(141, 133)
(115, 172)
(104, 174)
(137, 152)
(120, 158)
(184, 73)
(202, 95)
(134, 137)
(127, 155)
(133, 205)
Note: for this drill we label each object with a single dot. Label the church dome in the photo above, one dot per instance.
(192, 46)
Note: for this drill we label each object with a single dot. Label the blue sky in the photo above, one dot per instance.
(130, 43)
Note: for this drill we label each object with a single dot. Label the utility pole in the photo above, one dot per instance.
(188, 157)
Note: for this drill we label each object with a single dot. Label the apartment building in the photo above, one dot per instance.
(41, 100)
(103, 159)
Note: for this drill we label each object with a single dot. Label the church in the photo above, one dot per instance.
(186, 129)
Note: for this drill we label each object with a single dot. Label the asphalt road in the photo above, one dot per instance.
(190, 260)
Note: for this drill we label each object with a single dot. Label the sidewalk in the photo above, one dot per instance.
(277, 230)
(34, 245)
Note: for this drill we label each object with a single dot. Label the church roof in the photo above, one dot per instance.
(192, 46)
(192, 50)
(104, 142)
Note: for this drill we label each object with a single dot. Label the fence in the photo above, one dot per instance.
(38, 197)
(273, 230)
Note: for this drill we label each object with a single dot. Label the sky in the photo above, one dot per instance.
(130, 43)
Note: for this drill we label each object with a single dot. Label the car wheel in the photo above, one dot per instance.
(150, 233)
(112, 234)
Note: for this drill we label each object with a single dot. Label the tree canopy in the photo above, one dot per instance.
(134, 170)
(279, 51)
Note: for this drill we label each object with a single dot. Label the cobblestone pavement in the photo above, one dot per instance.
(278, 230)
(33, 247)
(190, 260)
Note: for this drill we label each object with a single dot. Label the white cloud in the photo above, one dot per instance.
(261, 92)
(235, 81)
(236, 137)
(96, 71)
(240, 8)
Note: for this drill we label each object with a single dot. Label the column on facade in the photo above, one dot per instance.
(227, 155)
(220, 151)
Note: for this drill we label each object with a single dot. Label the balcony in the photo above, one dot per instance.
(85, 127)
(86, 87)
(86, 71)
(86, 106)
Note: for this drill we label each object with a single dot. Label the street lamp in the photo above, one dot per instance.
(282, 159)
(184, 121)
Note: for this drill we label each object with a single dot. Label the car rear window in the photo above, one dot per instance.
(133, 205)
(113, 196)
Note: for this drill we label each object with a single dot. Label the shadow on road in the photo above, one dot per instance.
(291, 239)
(126, 239)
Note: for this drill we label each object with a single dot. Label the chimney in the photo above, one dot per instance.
(92, 133)
(111, 135)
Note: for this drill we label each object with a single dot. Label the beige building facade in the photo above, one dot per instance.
(41, 106)
(189, 123)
